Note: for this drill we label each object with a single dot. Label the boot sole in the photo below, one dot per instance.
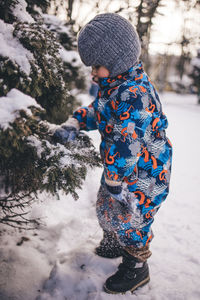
(140, 284)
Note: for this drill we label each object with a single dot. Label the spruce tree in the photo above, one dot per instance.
(34, 94)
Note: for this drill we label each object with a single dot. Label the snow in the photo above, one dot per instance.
(12, 104)
(19, 11)
(58, 262)
(196, 62)
(54, 22)
(12, 48)
(37, 143)
(71, 57)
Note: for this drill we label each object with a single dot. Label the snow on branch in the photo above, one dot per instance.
(12, 104)
(19, 11)
(12, 48)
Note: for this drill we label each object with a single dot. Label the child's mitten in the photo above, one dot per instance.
(67, 132)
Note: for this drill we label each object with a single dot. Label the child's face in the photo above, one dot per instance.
(99, 72)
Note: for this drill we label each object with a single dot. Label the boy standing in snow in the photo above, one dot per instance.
(135, 151)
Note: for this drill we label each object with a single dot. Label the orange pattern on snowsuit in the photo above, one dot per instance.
(134, 150)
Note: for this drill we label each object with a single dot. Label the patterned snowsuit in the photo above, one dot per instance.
(134, 149)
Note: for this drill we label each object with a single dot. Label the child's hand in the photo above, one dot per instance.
(65, 134)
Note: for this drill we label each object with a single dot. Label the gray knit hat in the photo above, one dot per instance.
(111, 41)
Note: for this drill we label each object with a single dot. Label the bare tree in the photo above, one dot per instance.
(186, 36)
(146, 11)
(69, 10)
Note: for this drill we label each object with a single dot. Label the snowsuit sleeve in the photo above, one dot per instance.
(86, 117)
(123, 152)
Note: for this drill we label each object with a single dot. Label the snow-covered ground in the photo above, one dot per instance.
(58, 263)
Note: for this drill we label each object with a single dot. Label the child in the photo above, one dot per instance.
(135, 151)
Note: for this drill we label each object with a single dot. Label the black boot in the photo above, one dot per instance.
(109, 246)
(131, 275)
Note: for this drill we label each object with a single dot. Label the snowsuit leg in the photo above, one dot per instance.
(131, 220)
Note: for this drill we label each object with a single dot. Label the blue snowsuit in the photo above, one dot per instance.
(134, 150)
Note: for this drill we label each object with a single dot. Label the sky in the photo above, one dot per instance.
(167, 27)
